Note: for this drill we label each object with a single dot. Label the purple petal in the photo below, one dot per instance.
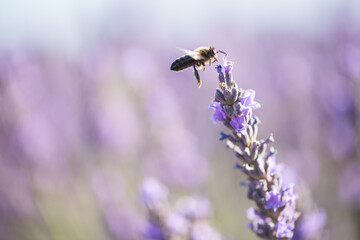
(177, 223)
(152, 191)
(273, 200)
(238, 123)
(154, 231)
(288, 194)
(219, 69)
(228, 65)
(219, 114)
(247, 98)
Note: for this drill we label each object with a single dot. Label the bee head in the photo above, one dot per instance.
(212, 52)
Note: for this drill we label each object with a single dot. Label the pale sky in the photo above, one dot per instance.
(70, 23)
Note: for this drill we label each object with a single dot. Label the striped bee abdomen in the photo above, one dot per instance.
(182, 63)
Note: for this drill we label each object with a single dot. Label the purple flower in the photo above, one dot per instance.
(288, 194)
(238, 123)
(219, 114)
(154, 231)
(272, 167)
(195, 207)
(311, 224)
(273, 200)
(284, 229)
(247, 102)
(152, 191)
(232, 102)
(202, 230)
(276, 213)
(254, 216)
(221, 74)
(259, 222)
(219, 68)
(228, 65)
(228, 71)
(187, 221)
(286, 222)
(177, 223)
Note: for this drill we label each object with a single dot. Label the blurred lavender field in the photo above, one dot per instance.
(89, 108)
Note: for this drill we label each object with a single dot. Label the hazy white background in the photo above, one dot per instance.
(69, 24)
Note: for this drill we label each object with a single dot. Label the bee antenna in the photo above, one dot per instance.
(219, 51)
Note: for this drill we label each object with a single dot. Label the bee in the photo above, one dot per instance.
(196, 59)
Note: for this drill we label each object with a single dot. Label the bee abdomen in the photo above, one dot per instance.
(182, 63)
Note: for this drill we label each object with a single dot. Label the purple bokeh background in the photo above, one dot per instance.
(89, 107)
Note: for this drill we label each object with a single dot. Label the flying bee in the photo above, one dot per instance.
(196, 59)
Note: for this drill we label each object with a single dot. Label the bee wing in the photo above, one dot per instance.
(193, 54)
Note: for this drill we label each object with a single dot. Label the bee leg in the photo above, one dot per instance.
(203, 64)
(197, 76)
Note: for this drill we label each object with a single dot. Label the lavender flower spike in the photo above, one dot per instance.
(275, 213)
(188, 221)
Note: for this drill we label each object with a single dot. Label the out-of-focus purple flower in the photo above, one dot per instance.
(202, 230)
(152, 191)
(154, 231)
(187, 221)
(195, 207)
(311, 224)
(123, 222)
(177, 223)
(154, 196)
(121, 219)
(219, 114)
